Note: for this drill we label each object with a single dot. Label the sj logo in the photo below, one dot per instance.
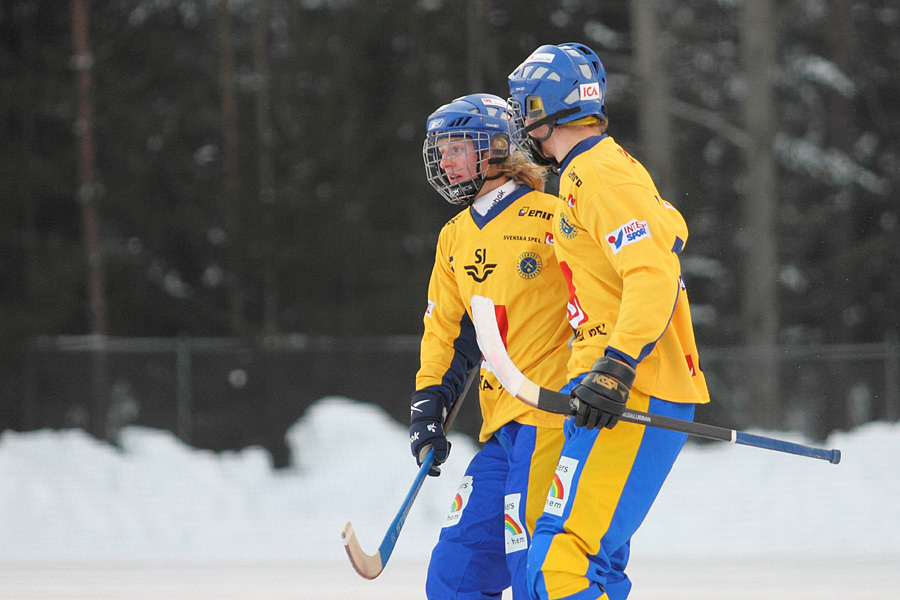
(480, 270)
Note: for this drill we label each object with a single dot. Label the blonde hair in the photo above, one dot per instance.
(517, 167)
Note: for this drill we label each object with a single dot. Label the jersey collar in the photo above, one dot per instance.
(580, 147)
(497, 201)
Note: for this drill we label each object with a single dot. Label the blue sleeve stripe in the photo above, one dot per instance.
(646, 350)
(621, 357)
(466, 355)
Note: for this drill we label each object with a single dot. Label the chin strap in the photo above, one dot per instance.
(539, 157)
(550, 121)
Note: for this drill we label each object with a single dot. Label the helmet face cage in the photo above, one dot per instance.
(465, 130)
(462, 184)
(518, 135)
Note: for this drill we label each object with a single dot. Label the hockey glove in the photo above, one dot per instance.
(426, 430)
(600, 398)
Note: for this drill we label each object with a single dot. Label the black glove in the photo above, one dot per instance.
(600, 398)
(426, 430)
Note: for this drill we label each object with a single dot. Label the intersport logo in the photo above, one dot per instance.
(629, 233)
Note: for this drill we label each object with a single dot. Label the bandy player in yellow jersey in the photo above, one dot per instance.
(618, 243)
(501, 246)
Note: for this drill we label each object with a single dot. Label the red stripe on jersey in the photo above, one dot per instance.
(502, 322)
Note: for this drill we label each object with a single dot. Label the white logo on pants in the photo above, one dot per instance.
(561, 486)
(513, 529)
(460, 501)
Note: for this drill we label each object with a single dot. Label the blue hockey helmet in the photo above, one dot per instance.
(479, 119)
(555, 85)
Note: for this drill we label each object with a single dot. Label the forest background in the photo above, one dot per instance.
(251, 170)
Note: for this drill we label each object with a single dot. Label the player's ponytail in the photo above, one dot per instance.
(516, 165)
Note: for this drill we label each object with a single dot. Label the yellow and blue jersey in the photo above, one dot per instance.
(508, 255)
(618, 243)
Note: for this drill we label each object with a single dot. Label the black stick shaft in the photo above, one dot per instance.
(562, 404)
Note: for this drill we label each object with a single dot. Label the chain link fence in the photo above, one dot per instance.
(226, 394)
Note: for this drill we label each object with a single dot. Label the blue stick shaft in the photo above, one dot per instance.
(393, 532)
(396, 526)
(748, 439)
(730, 435)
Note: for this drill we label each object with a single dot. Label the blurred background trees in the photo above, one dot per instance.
(257, 163)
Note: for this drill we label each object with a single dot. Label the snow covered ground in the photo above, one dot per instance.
(158, 519)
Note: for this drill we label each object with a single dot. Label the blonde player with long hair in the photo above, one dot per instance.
(500, 245)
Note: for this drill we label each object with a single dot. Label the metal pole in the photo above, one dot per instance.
(892, 376)
(184, 422)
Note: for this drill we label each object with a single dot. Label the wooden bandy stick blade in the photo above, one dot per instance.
(369, 566)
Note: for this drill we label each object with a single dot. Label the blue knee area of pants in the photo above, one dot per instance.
(618, 589)
(469, 560)
(443, 585)
(474, 559)
(591, 593)
(469, 569)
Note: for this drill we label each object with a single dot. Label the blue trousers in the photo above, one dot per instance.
(603, 488)
(482, 548)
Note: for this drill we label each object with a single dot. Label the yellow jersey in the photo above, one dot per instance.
(618, 243)
(507, 255)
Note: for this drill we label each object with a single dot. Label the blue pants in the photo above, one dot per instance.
(601, 492)
(482, 548)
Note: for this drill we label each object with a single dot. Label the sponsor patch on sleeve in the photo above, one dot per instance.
(629, 233)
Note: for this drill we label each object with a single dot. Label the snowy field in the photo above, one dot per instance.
(80, 519)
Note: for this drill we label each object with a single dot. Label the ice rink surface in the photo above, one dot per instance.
(808, 578)
(153, 518)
